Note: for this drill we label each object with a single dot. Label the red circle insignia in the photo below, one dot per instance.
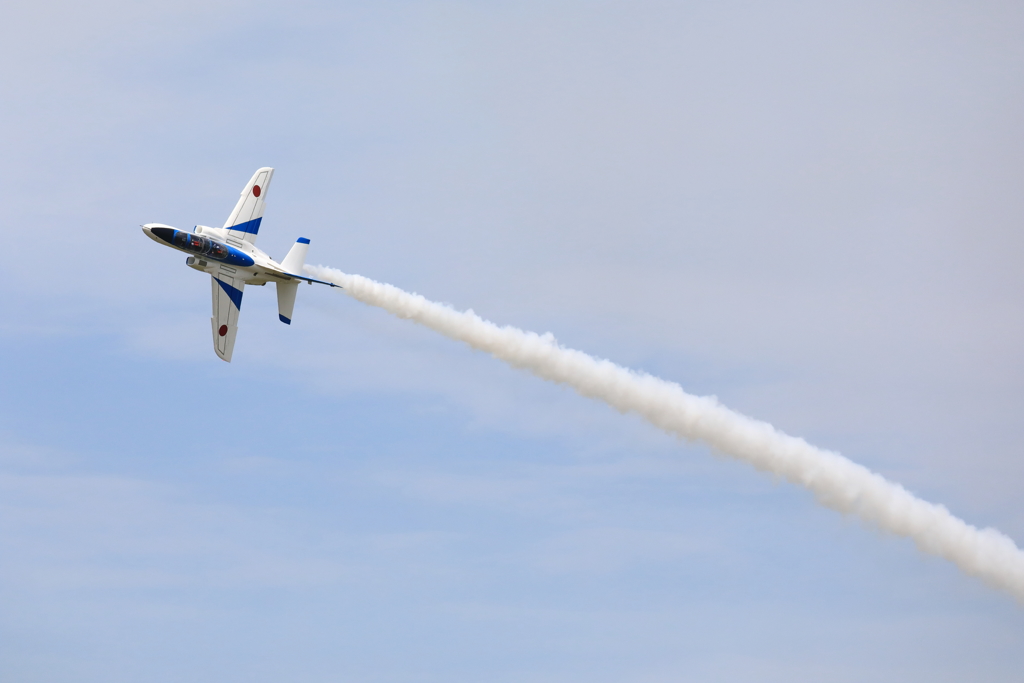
(256, 190)
(223, 330)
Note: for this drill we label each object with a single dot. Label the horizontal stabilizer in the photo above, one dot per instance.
(310, 280)
(273, 272)
(286, 300)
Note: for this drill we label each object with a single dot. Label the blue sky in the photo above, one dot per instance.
(811, 212)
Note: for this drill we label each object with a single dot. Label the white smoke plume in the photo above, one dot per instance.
(837, 482)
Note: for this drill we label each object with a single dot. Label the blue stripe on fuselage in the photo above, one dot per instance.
(234, 294)
(237, 258)
(252, 226)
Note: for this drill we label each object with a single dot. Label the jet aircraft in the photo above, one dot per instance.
(230, 256)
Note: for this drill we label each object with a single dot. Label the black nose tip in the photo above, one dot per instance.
(166, 234)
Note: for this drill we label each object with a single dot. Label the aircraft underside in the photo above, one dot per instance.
(230, 257)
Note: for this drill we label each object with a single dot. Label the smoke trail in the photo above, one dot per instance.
(837, 482)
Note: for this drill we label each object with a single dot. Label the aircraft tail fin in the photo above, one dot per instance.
(296, 257)
(244, 221)
(292, 264)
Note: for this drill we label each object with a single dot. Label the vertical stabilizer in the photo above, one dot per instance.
(292, 264)
(296, 257)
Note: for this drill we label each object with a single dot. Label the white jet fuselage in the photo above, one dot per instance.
(214, 251)
(229, 255)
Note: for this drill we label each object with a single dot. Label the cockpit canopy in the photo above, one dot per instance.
(200, 245)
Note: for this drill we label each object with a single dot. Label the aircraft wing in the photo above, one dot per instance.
(227, 300)
(244, 222)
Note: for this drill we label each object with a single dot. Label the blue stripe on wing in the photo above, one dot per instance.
(252, 226)
(234, 294)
